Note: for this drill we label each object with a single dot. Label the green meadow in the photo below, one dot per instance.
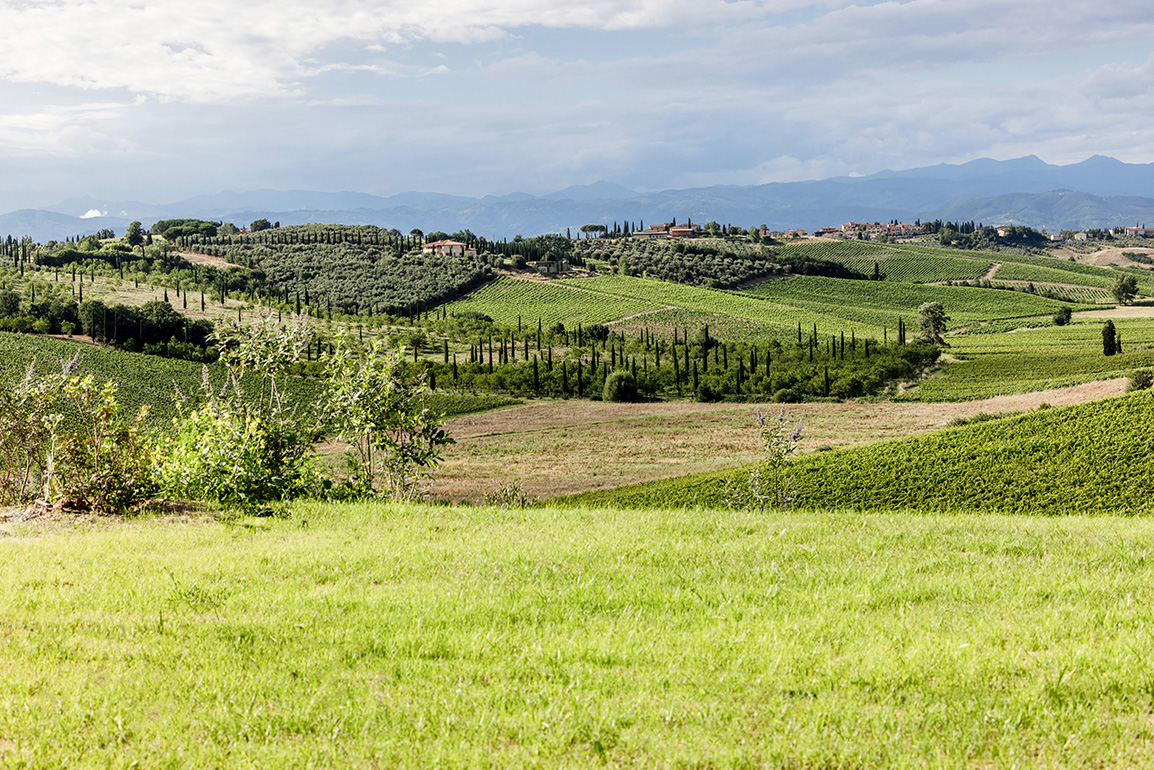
(385, 635)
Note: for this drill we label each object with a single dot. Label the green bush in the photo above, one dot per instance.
(1141, 380)
(219, 456)
(620, 386)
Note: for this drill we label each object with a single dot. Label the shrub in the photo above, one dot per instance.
(380, 411)
(244, 447)
(27, 425)
(1141, 380)
(91, 459)
(222, 457)
(620, 386)
(1062, 316)
(105, 464)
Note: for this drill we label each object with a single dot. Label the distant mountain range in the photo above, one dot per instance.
(1098, 192)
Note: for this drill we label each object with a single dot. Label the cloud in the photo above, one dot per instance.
(212, 50)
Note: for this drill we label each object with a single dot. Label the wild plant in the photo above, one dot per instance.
(90, 458)
(29, 417)
(378, 409)
(104, 463)
(769, 484)
(243, 445)
(510, 495)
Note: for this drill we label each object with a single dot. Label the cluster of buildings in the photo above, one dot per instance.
(668, 230)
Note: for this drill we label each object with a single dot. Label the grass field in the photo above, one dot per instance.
(408, 636)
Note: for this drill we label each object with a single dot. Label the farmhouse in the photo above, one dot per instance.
(448, 249)
(687, 230)
(550, 266)
(669, 230)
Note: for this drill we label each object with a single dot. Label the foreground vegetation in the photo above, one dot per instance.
(404, 635)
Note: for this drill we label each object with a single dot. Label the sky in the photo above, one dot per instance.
(159, 100)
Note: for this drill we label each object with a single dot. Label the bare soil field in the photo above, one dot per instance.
(1141, 310)
(1112, 255)
(555, 448)
(204, 259)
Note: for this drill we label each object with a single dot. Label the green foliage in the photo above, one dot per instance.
(1062, 316)
(95, 461)
(1125, 288)
(1142, 379)
(620, 386)
(711, 263)
(244, 447)
(106, 464)
(1109, 339)
(378, 410)
(219, 455)
(172, 229)
(28, 423)
(932, 319)
(134, 236)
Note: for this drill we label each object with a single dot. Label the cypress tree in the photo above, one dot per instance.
(1109, 339)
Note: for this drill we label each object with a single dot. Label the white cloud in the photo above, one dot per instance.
(214, 50)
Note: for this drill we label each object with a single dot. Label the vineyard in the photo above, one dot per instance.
(505, 300)
(1087, 459)
(881, 303)
(1036, 359)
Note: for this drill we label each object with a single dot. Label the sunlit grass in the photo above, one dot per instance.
(367, 636)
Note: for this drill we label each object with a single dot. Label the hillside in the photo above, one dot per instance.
(1085, 459)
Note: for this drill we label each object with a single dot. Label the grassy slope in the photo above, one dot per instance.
(1092, 458)
(375, 636)
(143, 379)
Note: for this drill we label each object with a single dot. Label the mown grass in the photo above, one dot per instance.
(378, 635)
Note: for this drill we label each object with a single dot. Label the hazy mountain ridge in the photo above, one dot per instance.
(1098, 192)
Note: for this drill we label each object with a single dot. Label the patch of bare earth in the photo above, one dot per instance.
(1143, 310)
(1112, 255)
(204, 259)
(556, 448)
